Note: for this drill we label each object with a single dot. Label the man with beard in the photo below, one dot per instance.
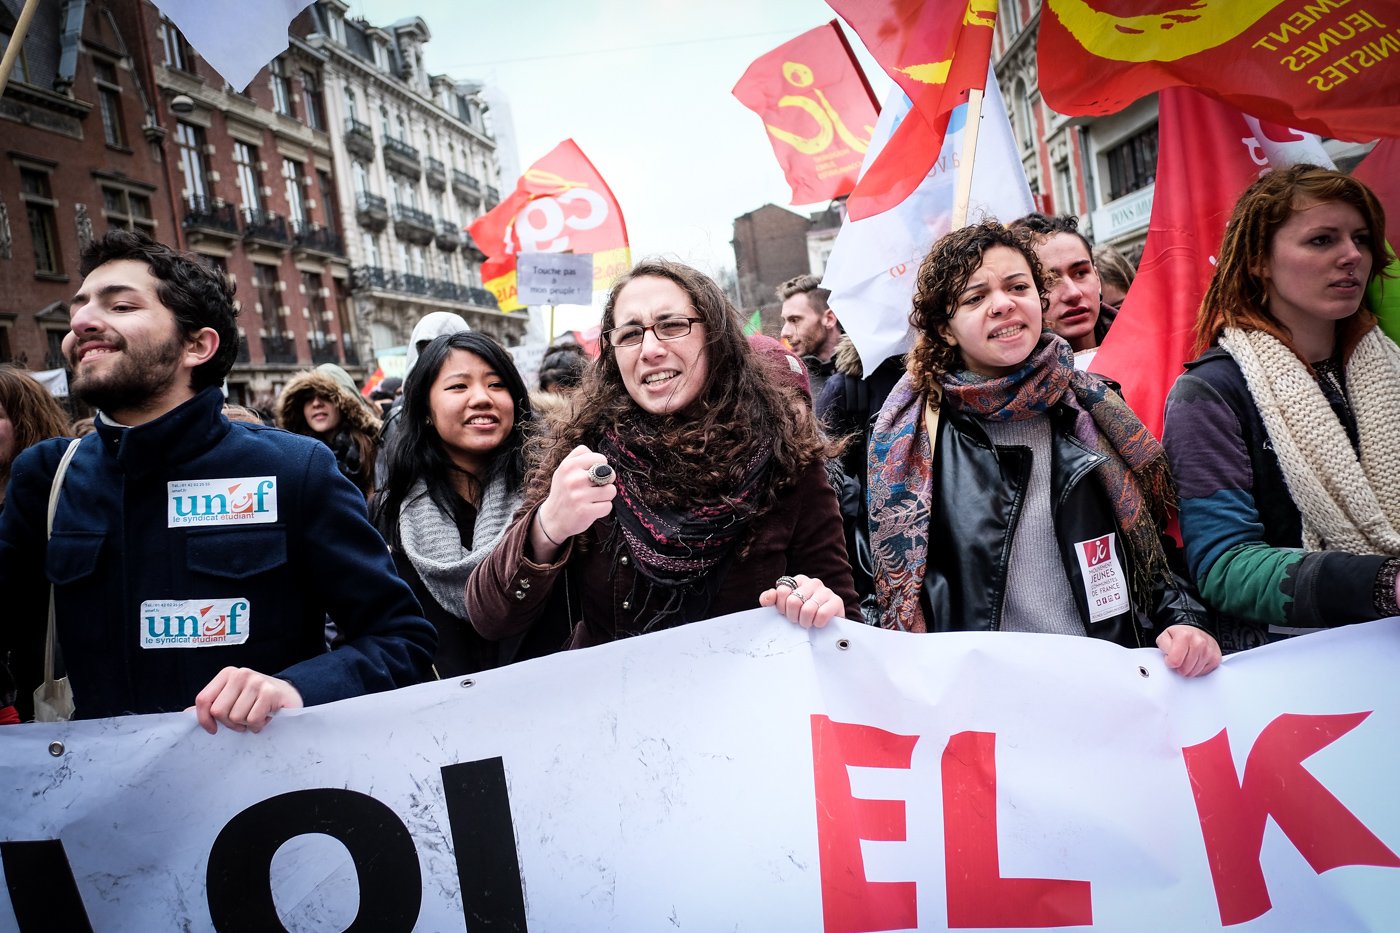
(810, 327)
(193, 560)
(1077, 311)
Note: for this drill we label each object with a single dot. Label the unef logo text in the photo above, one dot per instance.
(251, 499)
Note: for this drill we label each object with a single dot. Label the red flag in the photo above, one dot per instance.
(561, 204)
(1204, 163)
(818, 110)
(1380, 170)
(1324, 66)
(936, 52)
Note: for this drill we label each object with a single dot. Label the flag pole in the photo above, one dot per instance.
(551, 324)
(16, 42)
(963, 196)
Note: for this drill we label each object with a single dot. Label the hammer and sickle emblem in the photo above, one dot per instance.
(1159, 37)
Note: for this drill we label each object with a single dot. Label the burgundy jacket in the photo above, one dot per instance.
(593, 588)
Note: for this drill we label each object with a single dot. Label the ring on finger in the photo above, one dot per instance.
(787, 581)
(802, 597)
(599, 474)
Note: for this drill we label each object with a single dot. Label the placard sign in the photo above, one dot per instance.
(555, 278)
(744, 774)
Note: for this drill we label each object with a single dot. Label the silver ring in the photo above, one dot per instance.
(786, 581)
(800, 596)
(599, 474)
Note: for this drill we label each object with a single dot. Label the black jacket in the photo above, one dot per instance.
(978, 491)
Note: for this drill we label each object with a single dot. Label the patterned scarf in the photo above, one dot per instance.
(671, 547)
(1135, 478)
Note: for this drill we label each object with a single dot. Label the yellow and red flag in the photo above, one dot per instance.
(1325, 66)
(818, 109)
(936, 52)
(561, 204)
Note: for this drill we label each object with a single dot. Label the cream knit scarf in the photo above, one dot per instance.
(1347, 504)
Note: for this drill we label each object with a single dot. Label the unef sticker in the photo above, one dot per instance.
(194, 623)
(1104, 583)
(240, 499)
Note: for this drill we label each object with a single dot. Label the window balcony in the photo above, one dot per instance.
(436, 173)
(316, 238)
(206, 217)
(493, 197)
(449, 236)
(279, 350)
(466, 187)
(324, 351)
(265, 228)
(359, 139)
(377, 278)
(400, 157)
(372, 211)
(414, 226)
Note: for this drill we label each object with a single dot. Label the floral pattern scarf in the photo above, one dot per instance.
(1135, 478)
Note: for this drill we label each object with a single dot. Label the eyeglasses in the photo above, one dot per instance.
(631, 335)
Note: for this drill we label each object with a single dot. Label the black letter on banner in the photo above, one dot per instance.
(483, 839)
(386, 864)
(42, 889)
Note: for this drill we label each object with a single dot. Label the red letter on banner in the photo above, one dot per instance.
(850, 904)
(978, 896)
(1276, 784)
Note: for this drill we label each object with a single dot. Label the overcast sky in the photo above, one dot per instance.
(644, 89)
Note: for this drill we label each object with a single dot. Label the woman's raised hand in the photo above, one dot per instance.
(804, 600)
(580, 492)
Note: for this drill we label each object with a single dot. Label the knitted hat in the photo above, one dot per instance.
(788, 369)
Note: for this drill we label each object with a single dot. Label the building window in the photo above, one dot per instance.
(281, 89)
(176, 52)
(351, 105)
(328, 205)
(129, 209)
(322, 347)
(6, 354)
(361, 176)
(245, 160)
(1132, 165)
(193, 167)
(21, 66)
(1064, 188)
(311, 101)
(371, 245)
(41, 210)
(109, 102)
(292, 176)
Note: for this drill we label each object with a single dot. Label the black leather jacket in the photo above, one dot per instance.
(978, 492)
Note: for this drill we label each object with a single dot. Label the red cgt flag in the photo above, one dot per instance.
(1207, 155)
(1325, 66)
(561, 204)
(936, 52)
(818, 110)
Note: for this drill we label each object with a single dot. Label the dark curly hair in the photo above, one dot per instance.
(942, 276)
(1238, 292)
(196, 293)
(702, 452)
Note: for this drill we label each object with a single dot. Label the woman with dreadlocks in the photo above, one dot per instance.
(1009, 491)
(688, 485)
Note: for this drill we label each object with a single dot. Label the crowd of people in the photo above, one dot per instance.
(985, 481)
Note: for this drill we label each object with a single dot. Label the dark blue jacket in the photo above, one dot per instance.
(128, 537)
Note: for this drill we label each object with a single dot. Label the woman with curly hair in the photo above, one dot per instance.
(686, 486)
(28, 415)
(323, 403)
(453, 483)
(1285, 434)
(1009, 491)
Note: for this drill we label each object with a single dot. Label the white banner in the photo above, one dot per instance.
(744, 774)
(875, 261)
(237, 38)
(554, 278)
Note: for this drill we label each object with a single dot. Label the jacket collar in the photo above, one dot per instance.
(179, 435)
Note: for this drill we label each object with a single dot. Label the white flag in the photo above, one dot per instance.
(873, 266)
(237, 37)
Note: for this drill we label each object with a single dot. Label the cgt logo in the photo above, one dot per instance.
(246, 499)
